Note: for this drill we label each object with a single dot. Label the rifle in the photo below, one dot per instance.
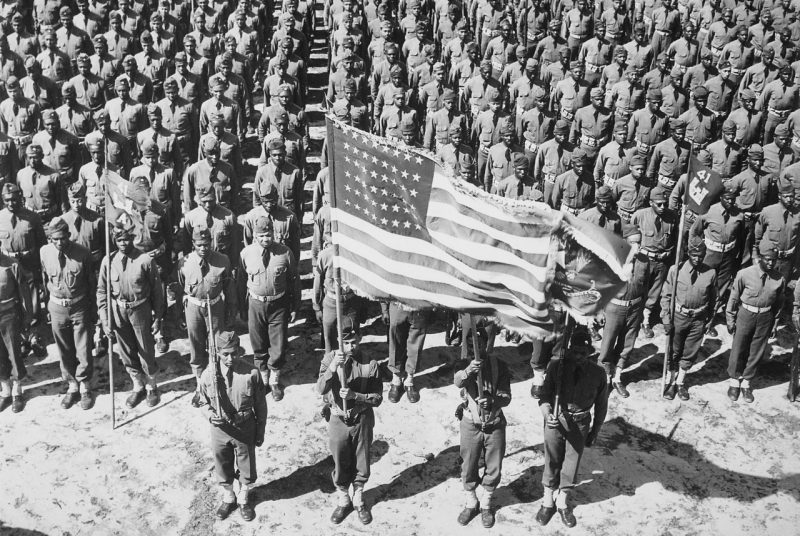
(569, 326)
(212, 352)
(794, 370)
(476, 353)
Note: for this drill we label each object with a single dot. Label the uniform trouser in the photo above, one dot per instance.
(687, 337)
(593, 78)
(350, 308)
(134, 331)
(12, 367)
(574, 47)
(197, 327)
(350, 449)
(660, 43)
(563, 448)
(231, 445)
(481, 167)
(73, 328)
(656, 275)
(726, 265)
(770, 125)
(487, 332)
(407, 331)
(268, 323)
(749, 240)
(749, 343)
(543, 351)
(481, 448)
(619, 335)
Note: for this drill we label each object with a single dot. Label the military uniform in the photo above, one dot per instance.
(15, 316)
(552, 160)
(407, 332)
(573, 192)
(324, 298)
(42, 189)
(781, 226)
(221, 222)
(202, 173)
(286, 180)
(70, 282)
(499, 161)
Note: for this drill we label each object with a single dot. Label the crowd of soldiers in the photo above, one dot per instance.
(592, 108)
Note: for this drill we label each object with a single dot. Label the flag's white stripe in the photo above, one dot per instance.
(527, 244)
(442, 182)
(413, 293)
(432, 275)
(423, 247)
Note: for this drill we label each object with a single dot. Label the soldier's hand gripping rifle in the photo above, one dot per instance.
(218, 379)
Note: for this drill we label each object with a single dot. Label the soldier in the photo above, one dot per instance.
(535, 125)
(780, 98)
(233, 396)
(457, 154)
(208, 214)
(592, 126)
(351, 419)
(70, 282)
(41, 187)
(40, 89)
(15, 317)
(163, 185)
(613, 158)
(209, 299)
(650, 125)
(675, 95)
(482, 432)
(118, 154)
(780, 224)
(407, 331)
(569, 427)
(778, 155)
(755, 300)
(520, 185)
(285, 224)
(210, 171)
(571, 93)
(19, 116)
(723, 231)
(726, 155)
(269, 270)
(324, 297)
(553, 158)
(220, 104)
(164, 140)
(670, 158)
(701, 125)
(693, 287)
(127, 115)
(136, 305)
(573, 190)
(179, 117)
(395, 115)
(487, 128)
(284, 176)
(190, 86)
(73, 116)
(499, 160)
(755, 188)
(59, 147)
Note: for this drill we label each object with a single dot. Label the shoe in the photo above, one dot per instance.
(69, 400)
(340, 513)
(248, 512)
(277, 392)
(567, 517)
(620, 389)
(225, 509)
(647, 331)
(5, 401)
(683, 392)
(536, 391)
(712, 332)
(487, 517)
(412, 393)
(733, 393)
(467, 515)
(545, 514)
(153, 397)
(364, 515)
(395, 393)
(17, 403)
(196, 399)
(87, 400)
(161, 345)
(670, 391)
(747, 394)
(135, 398)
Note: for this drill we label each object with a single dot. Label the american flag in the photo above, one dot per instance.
(406, 230)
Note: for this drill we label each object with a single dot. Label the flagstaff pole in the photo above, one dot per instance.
(337, 275)
(476, 353)
(678, 254)
(109, 321)
(569, 325)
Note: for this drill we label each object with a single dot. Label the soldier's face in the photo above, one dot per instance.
(218, 128)
(780, 141)
(755, 162)
(494, 106)
(202, 248)
(278, 156)
(350, 346)
(207, 203)
(695, 258)
(171, 93)
(597, 101)
(212, 157)
(521, 172)
(620, 136)
(77, 203)
(637, 171)
(217, 92)
(678, 134)
(659, 206)
(391, 56)
(123, 91)
(115, 24)
(34, 159)
(788, 200)
(97, 157)
(190, 47)
(399, 99)
(59, 239)
(728, 137)
(408, 138)
(604, 206)
(786, 77)
(226, 356)
(655, 105)
(156, 25)
(124, 243)
(448, 104)
(455, 138)
(559, 137)
(269, 202)
(13, 202)
(507, 137)
(282, 127)
(767, 263)
(15, 93)
(727, 201)
(578, 167)
(265, 240)
(283, 98)
(149, 160)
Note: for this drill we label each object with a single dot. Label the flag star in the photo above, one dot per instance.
(406, 210)
(374, 217)
(418, 227)
(403, 187)
(415, 176)
(374, 159)
(384, 178)
(366, 154)
(394, 181)
(346, 146)
(407, 156)
(375, 143)
(396, 152)
(385, 164)
(412, 192)
(395, 223)
(395, 208)
(373, 174)
(406, 224)
(348, 187)
(404, 174)
(394, 169)
(384, 206)
(366, 211)
(347, 159)
(384, 221)
(373, 189)
(384, 192)
(418, 159)
(357, 206)
(365, 138)
(363, 168)
(347, 202)
(348, 174)
(373, 202)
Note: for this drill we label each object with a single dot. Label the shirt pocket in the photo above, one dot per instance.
(71, 277)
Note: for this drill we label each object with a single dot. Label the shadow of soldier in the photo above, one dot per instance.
(677, 466)
(15, 531)
(308, 479)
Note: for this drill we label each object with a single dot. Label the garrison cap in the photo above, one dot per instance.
(729, 127)
(658, 194)
(210, 144)
(149, 148)
(227, 340)
(206, 192)
(767, 249)
(596, 92)
(638, 160)
(697, 245)
(579, 156)
(604, 194)
(700, 93)
(58, 225)
(350, 331)
(520, 161)
(755, 150)
(654, 95)
(201, 234)
(677, 122)
(782, 130)
(34, 149)
(76, 190)
(562, 127)
(276, 144)
(262, 226)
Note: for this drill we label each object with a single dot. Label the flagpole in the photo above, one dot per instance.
(678, 253)
(337, 274)
(109, 320)
(476, 353)
(569, 326)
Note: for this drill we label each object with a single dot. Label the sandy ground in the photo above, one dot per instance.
(704, 467)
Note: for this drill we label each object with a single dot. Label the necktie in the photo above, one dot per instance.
(209, 220)
(121, 106)
(219, 105)
(36, 90)
(155, 137)
(16, 109)
(123, 261)
(212, 177)
(85, 85)
(98, 171)
(13, 220)
(265, 257)
(602, 221)
(52, 143)
(203, 267)
(62, 260)
(152, 176)
(34, 176)
(78, 222)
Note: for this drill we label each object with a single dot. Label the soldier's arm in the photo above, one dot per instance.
(22, 278)
(600, 406)
(326, 374)
(547, 393)
(318, 293)
(733, 299)
(293, 284)
(666, 295)
(761, 225)
(102, 297)
(157, 290)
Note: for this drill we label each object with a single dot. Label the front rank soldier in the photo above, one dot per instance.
(269, 271)
(70, 283)
(780, 224)
(351, 420)
(233, 396)
(209, 298)
(136, 304)
(569, 427)
(482, 433)
(693, 288)
(755, 300)
(15, 317)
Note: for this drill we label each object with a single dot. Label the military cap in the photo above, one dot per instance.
(11, 188)
(76, 190)
(580, 341)
(65, 11)
(619, 51)
(122, 80)
(730, 191)
(638, 160)
(472, 45)
(49, 115)
(396, 70)
(704, 157)
(68, 90)
(748, 94)
(785, 187)
(226, 59)
(561, 127)
(520, 160)
(420, 26)
(767, 249)
(697, 245)
(210, 144)
(206, 192)
(340, 110)
(429, 49)
(95, 146)
(531, 64)
(438, 67)
(17, 16)
(145, 37)
(217, 119)
(262, 225)
(57, 225)
(455, 128)
(115, 15)
(389, 46)
(171, 83)
(268, 190)
(349, 330)
(149, 148)
(153, 109)
(276, 144)
(654, 95)
(537, 92)
(219, 83)
(129, 60)
(554, 24)
(604, 194)
(700, 92)
(508, 129)
(621, 125)
(724, 65)
(180, 57)
(12, 82)
(287, 17)
(729, 127)
(676, 71)
(596, 92)
(461, 24)
(755, 150)
(100, 39)
(34, 149)
(122, 227)
(575, 64)
(188, 38)
(579, 156)
(486, 64)
(156, 16)
(659, 193)
(448, 95)
(676, 122)
(227, 340)
(201, 234)
(782, 130)
(785, 69)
